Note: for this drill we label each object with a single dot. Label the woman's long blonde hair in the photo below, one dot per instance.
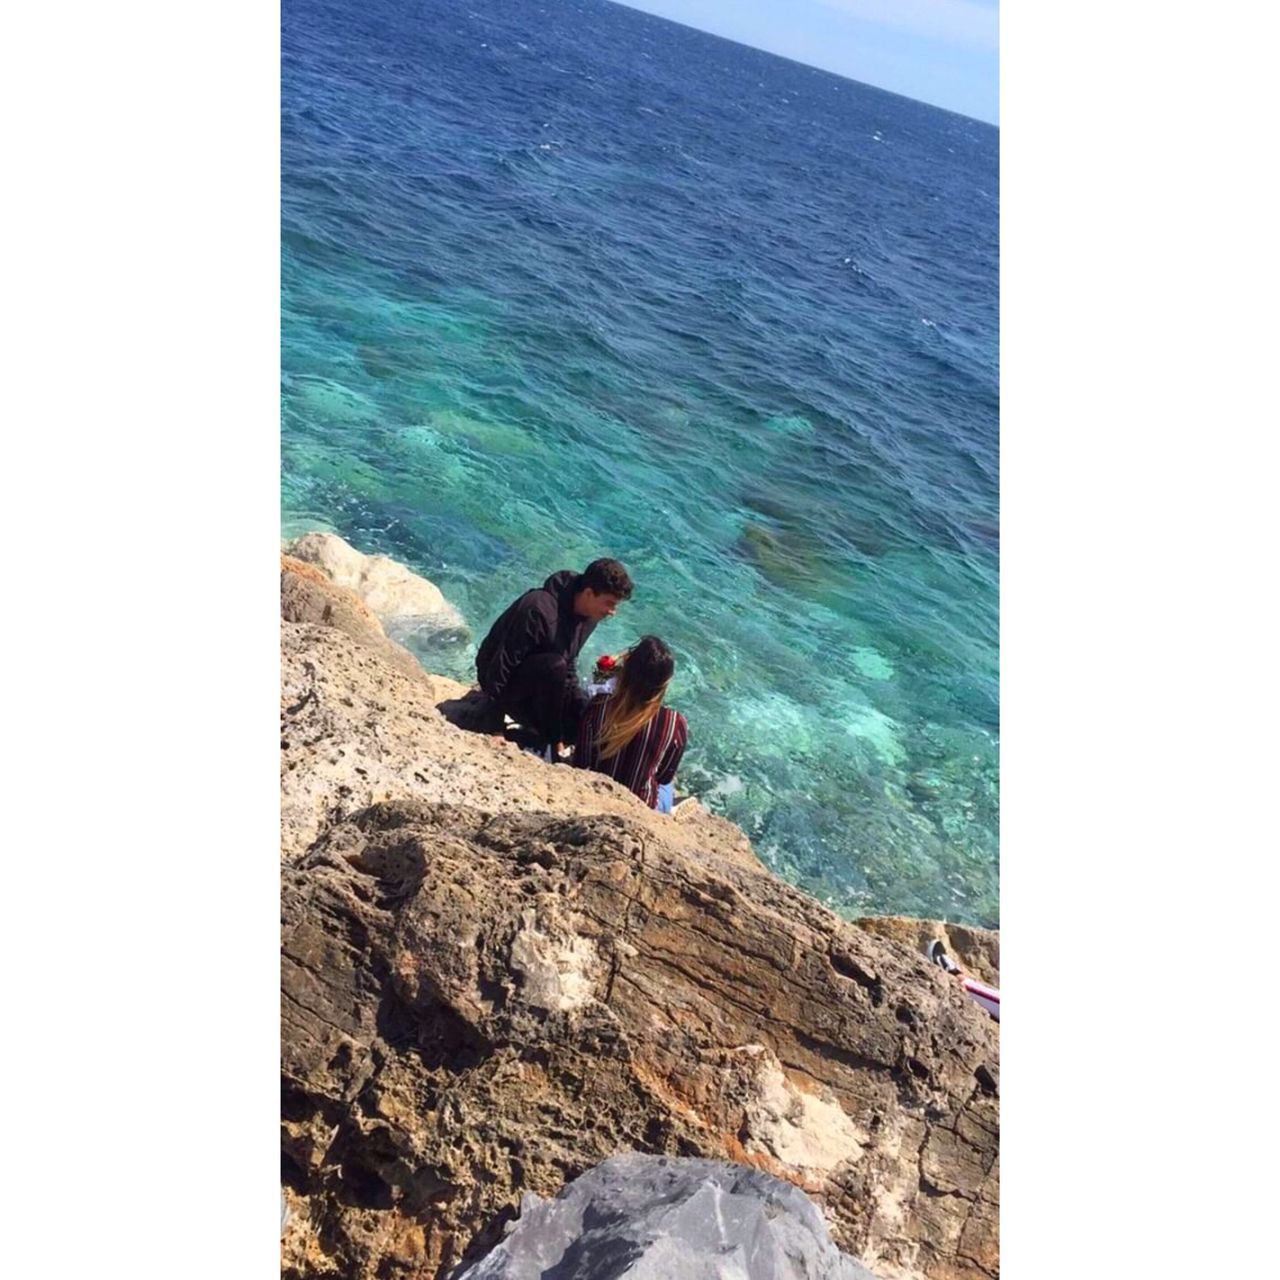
(646, 672)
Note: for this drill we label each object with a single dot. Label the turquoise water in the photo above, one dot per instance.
(565, 280)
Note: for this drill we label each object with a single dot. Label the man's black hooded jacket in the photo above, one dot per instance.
(540, 621)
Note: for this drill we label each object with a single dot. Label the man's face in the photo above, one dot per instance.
(595, 606)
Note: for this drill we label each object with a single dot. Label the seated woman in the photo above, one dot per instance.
(628, 733)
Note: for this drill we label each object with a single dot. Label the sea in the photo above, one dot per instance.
(563, 280)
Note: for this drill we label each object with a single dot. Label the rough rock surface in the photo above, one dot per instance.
(307, 594)
(658, 1217)
(977, 950)
(361, 721)
(497, 973)
(388, 588)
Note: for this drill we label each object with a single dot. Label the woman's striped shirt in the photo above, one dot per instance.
(650, 759)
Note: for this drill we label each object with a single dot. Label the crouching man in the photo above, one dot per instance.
(527, 664)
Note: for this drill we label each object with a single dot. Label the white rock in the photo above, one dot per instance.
(799, 1128)
(390, 590)
(556, 966)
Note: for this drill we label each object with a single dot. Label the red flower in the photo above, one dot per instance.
(607, 662)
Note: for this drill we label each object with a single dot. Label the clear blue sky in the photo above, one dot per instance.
(945, 52)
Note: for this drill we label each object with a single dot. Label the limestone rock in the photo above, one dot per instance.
(977, 950)
(360, 722)
(658, 1218)
(388, 588)
(497, 973)
(478, 1005)
(308, 595)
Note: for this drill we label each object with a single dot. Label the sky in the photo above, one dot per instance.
(944, 52)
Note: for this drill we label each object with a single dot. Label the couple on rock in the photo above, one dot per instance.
(527, 668)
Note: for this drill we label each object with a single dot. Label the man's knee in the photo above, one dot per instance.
(537, 673)
(544, 694)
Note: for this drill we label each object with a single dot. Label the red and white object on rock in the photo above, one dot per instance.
(987, 997)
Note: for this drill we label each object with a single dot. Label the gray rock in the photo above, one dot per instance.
(658, 1217)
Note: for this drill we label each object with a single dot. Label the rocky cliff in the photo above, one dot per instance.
(497, 973)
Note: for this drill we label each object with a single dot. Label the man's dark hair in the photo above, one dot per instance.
(606, 578)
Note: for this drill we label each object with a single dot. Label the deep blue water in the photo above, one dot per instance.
(563, 280)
